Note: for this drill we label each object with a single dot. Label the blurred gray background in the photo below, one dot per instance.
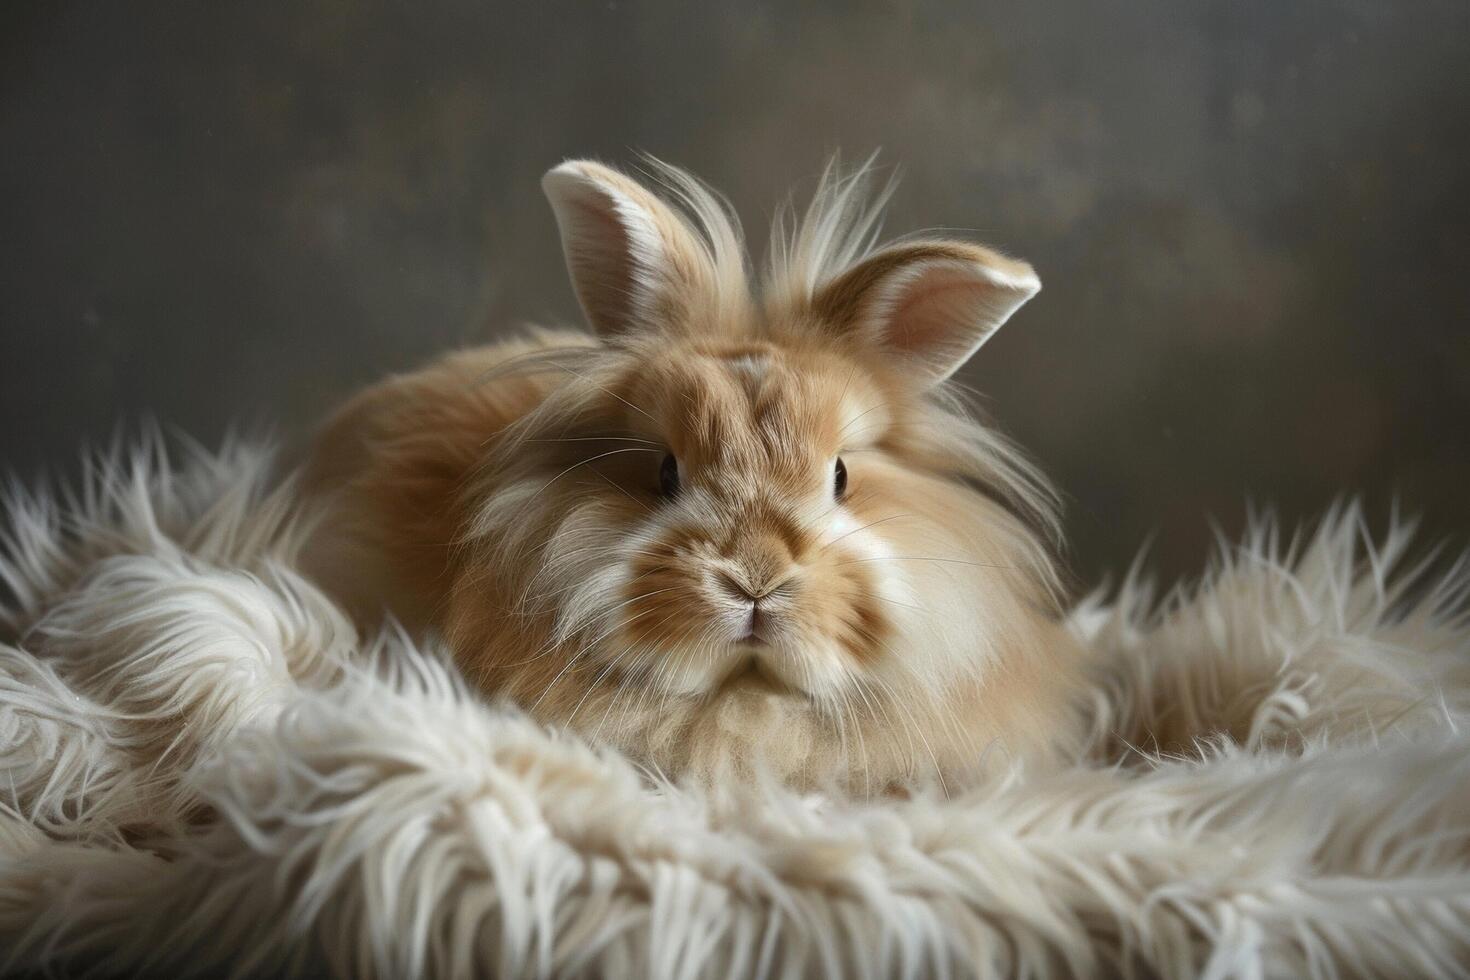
(1252, 217)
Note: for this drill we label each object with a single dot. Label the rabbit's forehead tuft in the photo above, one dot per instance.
(740, 403)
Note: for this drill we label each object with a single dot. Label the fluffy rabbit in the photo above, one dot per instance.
(738, 527)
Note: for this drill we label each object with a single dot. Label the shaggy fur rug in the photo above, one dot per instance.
(205, 770)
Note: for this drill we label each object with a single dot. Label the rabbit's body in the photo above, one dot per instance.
(724, 534)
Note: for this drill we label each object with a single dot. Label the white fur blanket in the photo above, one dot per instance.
(204, 769)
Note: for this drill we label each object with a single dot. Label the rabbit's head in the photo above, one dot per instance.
(757, 494)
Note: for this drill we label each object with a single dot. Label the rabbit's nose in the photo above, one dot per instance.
(735, 588)
(745, 589)
(758, 566)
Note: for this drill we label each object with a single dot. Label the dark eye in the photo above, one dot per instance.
(839, 479)
(668, 477)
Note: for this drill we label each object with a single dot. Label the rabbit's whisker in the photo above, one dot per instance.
(611, 665)
(581, 653)
(593, 459)
(848, 534)
(945, 561)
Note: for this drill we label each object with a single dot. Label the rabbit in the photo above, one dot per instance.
(736, 530)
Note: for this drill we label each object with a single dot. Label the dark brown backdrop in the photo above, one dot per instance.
(1251, 216)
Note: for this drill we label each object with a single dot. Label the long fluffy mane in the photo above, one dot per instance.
(808, 248)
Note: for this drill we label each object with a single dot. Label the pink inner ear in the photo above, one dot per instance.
(602, 260)
(612, 245)
(939, 315)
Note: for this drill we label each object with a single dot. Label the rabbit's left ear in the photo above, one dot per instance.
(929, 303)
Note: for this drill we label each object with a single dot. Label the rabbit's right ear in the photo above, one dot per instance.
(634, 263)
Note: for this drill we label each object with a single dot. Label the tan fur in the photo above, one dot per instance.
(508, 498)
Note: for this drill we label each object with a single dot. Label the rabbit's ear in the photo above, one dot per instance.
(634, 263)
(930, 303)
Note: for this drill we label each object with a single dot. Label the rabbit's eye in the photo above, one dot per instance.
(668, 477)
(839, 479)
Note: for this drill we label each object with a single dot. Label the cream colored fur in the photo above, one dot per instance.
(844, 579)
(205, 770)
